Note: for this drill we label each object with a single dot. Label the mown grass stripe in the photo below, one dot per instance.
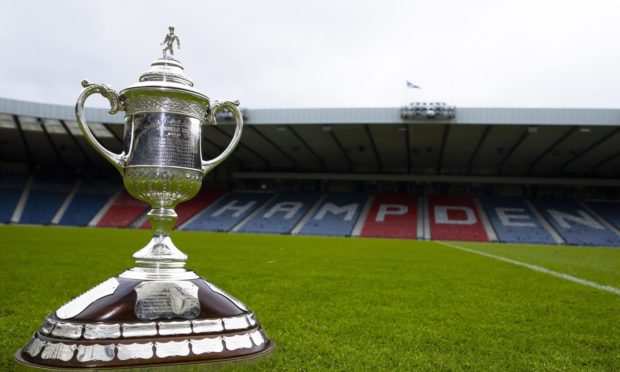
(540, 269)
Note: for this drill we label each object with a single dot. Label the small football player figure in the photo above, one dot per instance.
(169, 41)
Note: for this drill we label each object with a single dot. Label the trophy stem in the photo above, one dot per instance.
(161, 253)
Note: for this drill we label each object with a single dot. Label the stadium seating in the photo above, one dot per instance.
(190, 208)
(282, 213)
(11, 187)
(227, 212)
(45, 198)
(575, 224)
(392, 216)
(514, 222)
(123, 212)
(336, 216)
(609, 210)
(89, 199)
(455, 218)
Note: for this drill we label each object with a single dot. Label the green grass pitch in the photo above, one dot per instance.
(348, 303)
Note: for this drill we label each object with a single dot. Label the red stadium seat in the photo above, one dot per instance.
(455, 218)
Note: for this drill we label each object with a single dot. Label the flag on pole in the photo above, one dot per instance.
(412, 85)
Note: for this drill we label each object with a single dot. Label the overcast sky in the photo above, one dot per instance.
(322, 53)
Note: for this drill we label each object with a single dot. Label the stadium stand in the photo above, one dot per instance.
(336, 215)
(392, 216)
(455, 218)
(47, 194)
(88, 200)
(281, 214)
(227, 211)
(575, 224)
(514, 222)
(123, 212)
(190, 208)
(608, 210)
(11, 187)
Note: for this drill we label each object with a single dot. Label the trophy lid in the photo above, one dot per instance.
(166, 74)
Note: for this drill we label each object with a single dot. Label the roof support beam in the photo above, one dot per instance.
(49, 138)
(243, 145)
(513, 148)
(442, 149)
(303, 142)
(408, 148)
(119, 139)
(591, 147)
(76, 143)
(275, 145)
(219, 148)
(344, 152)
(374, 147)
(555, 144)
(610, 157)
(483, 138)
(23, 138)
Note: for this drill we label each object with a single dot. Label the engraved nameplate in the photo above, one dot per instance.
(34, 346)
(257, 338)
(139, 329)
(47, 326)
(172, 348)
(68, 330)
(238, 342)
(87, 353)
(232, 299)
(95, 331)
(78, 304)
(167, 299)
(207, 345)
(207, 326)
(58, 351)
(238, 322)
(175, 328)
(135, 351)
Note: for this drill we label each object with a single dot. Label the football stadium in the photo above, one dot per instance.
(415, 237)
(286, 210)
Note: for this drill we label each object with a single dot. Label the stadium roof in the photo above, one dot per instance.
(478, 142)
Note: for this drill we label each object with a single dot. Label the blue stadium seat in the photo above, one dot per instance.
(46, 195)
(575, 224)
(609, 210)
(281, 214)
(11, 187)
(336, 216)
(227, 211)
(90, 198)
(514, 222)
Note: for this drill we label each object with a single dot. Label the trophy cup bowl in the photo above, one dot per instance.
(156, 313)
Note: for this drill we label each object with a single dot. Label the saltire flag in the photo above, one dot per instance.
(412, 85)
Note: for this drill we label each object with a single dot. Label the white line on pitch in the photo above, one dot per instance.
(540, 269)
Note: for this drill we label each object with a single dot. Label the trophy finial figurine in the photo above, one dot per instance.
(171, 37)
(157, 312)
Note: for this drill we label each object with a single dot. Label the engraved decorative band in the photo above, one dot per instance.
(107, 352)
(145, 104)
(128, 330)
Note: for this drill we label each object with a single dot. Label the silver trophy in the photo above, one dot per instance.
(157, 312)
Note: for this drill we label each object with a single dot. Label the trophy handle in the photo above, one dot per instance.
(233, 107)
(117, 160)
